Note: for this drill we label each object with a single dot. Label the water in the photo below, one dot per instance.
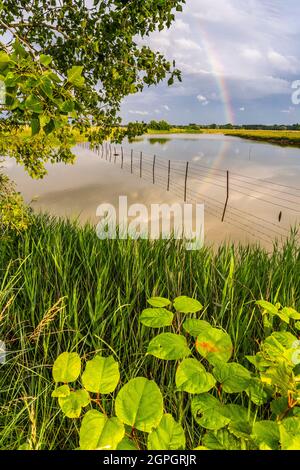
(263, 182)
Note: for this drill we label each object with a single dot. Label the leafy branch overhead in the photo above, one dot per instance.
(67, 66)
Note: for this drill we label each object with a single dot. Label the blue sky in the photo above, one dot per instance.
(238, 60)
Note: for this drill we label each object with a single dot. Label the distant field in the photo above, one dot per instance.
(284, 138)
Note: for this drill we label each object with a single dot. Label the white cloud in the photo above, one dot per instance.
(201, 98)
(242, 109)
(140, 113)
(289, 110)
(166, 107)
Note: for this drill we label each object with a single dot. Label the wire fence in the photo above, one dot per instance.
(220, 190)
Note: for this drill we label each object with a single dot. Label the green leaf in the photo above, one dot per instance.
(169, 346)
(279, 406)
(4, 60)
(214, 345)
(185, 304)
(290, 434)
(207, 411)
(233, 377)
(74, 76)
(67, 106)
(259, 393)
(290, 313)
(139, 404)
(266, 435)
(61, 392)
(72, 404)
(35, 126)
(169, 435)
(101, 375)
(159, 302)
(32, 103)
(192, 377)
(98, 432)
(156, 317)
(45, 59)
(67, 367)
(195, 327)
(221, 440)
(126, 444)
(267, 307)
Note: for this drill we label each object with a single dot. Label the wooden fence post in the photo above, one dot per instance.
(227, 195)
(122, 158)
(185, 181)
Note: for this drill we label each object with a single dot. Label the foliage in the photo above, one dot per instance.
(159, 125)
(14, 215)
(67, 67)
(57, 295)
(209, 377)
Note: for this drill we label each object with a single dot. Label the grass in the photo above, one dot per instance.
(62, 289)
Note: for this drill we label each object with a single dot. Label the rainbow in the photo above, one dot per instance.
(218, 73)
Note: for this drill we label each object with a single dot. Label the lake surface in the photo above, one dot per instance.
(263, 182)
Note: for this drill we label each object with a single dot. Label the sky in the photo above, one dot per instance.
(238, 60)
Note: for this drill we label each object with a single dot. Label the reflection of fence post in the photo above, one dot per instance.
(109, 153)
(115, 155)
(122, 158)
(131, 162)
(141, 163)
(169, 173)
(106, 151)
(185, 182)
(227, 196)
(154, 159)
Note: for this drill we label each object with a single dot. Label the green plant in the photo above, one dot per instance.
(14, 214)
(205, 373)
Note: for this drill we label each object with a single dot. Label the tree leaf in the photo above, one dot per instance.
(195, 327)
(266, 434)
(156, 317)
(169, 346)
(33, 104)
(267, 307)
(192, 377)
(159, 302)
(35, 126)
(185, 304)
(169, 435)
(61, 392)
(214, 345)
(221, 440)
(259, 393)
(98, 432)
(72, 404)
(67, 367)
(75, 77)
(140, 404)
(233, 377)
(45, 59)
(101, 375)
(126, 444)
(207, 411)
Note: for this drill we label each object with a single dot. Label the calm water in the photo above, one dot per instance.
(264, 183)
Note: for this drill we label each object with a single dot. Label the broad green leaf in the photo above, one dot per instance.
(33, 104)
(61, 392)
(101, 375)
(159, 302)
(279, 406)
(156, 317)
(185, 304)
(266, 434)
(72, 404)
(267, 307)
(192, 377)
(195, 327)
(233, 377)
(221, 440)
(139, 404)
(169, 346)
(290, 313)
(259, 393)
(67, 367)
(75, 75)
(240, 429)
(35, 126)
(45, 59)
(98, 432)
(290, 433)
(235, 413)
(67, 106)
(4, 60)
(207, 411)
(169, 435)
(214, 345)
(126, 444)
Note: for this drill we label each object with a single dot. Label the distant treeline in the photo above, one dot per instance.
(165, 126)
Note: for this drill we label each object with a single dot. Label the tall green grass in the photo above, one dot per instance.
(62, 289)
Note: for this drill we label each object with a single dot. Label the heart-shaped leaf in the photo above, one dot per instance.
(156, 317)
(169, 346)
(101, 375)
(67, 367)
(98, 432)
(169, 435)
(192, 377)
